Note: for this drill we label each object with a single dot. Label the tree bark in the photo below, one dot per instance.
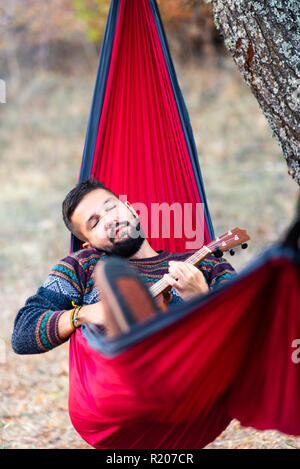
(263, 37)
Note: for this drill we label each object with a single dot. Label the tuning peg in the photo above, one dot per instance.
(232, 252)
(244, 246)
(218, 253)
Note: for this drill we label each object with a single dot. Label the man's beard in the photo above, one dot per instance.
(128, 246)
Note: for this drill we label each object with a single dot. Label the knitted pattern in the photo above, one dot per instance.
(36, 324)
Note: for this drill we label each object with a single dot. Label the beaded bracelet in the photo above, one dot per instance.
(74, 316)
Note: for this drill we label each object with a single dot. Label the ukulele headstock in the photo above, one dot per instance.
(229, 241)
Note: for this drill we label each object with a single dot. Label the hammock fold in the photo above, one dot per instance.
(177, 381)
(139, 139)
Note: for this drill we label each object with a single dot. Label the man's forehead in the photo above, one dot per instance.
(93, 200)
(96, 197)
(89, 213)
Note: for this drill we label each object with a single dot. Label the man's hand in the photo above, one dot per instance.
(93, 313)
(186, 279)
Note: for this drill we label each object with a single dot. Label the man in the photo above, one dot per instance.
(106, 226)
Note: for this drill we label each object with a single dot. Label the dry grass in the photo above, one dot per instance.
(42, 134)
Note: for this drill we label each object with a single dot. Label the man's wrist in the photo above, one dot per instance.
(92, 313)
(81, 317)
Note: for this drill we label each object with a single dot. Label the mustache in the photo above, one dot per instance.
(113, 227)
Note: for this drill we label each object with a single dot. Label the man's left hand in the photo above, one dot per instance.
(186, 279)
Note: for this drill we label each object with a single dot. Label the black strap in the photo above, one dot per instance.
(292, 238)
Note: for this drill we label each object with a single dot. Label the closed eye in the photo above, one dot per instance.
(96, 223)
(110, 208)
(95, 219)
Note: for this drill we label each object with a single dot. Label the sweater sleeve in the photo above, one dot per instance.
(216, 271)
(36, 324)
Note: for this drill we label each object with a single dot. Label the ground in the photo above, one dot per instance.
(41, 139)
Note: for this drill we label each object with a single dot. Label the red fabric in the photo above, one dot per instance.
(181, 386)
(141, 150)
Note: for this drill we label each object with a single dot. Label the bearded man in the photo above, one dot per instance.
(70, 297)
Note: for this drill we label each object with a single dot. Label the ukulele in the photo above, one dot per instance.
(233, 238)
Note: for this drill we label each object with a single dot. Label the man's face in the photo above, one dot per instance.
(107, 224)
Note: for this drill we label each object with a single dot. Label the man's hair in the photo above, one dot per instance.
(76, 195)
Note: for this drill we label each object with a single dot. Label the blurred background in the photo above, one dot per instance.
(48, 60)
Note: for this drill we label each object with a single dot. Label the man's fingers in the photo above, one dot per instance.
(197, 272)
(171, 281)
(194, 269)
(177, 268)
(190, 280)
(182, 271)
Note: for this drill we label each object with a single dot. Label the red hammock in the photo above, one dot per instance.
(139, 140)
(178, 381)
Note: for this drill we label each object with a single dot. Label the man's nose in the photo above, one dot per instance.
(110, 221)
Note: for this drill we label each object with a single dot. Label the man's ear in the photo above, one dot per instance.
(86, 245)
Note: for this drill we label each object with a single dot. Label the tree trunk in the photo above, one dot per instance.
(263, 37)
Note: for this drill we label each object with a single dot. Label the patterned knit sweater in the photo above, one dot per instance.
(36, 324)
